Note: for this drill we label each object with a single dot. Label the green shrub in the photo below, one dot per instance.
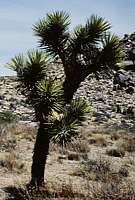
(7, 117)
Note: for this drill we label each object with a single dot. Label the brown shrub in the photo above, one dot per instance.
(115, 136)
(98, 140)
(128, 144)
(113, 191)
(116, 152)
(97, 170)
(49, 191)
(12, 163)
(77, 156)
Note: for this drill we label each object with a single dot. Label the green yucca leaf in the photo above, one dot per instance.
(49, 97)
(79, 110)
(85, 40)
(31, 69)
(52, 32)
(88, 48)
(63, 135)
(17, 63)
(66, 127)
(96, 26)
(112, 50)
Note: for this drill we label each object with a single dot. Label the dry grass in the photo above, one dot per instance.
(11, 162)
(97, 170)
(49, 191)
(7, 139)
(113, 191)
(115, 136)
(25, 131)
(98, 140)
(80, 146)
(77, 156)
(123, 171)
(101, 191)
(77, 150)
(96, 178)
(101, 141)
(77, 145)
(10, 133)
(128, 144)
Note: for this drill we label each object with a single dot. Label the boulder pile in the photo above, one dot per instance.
(112, 102)
(129, 46)
(113, 105)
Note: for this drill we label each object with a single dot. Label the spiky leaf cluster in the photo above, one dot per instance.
(66, 127)
(46, 97)
(90, 47)
(30, 69)
(52, 32)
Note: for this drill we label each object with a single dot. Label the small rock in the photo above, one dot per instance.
(130, 90)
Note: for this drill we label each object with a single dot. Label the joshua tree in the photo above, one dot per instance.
(90, 48)
(56, 122)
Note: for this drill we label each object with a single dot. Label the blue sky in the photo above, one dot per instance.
(18, 16)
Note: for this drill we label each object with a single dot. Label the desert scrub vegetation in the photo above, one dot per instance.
(98, 170)
(116, 152)
(76, 145)
(128, 144)
(25, 131)
(98, 140)
(50, 191)
(116, 136)
(112, 191)
(7, 117)
(93, 174)
(79, 145)
(78, 150)
(10, 133)
(11, 162)
(8, 141)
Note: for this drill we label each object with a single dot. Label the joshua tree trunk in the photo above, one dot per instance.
(40, 154)
(72, 82)
(70, 87)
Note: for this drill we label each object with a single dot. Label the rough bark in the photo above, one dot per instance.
(70, 87)
(40, 154)
(72, 82)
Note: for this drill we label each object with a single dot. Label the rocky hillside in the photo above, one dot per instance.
(129, 44)
(113, 105)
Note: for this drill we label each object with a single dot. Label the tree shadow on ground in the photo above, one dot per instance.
(18, 193)
(15, 193)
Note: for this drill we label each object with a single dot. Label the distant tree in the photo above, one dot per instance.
(90, 48)
(57, 122)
